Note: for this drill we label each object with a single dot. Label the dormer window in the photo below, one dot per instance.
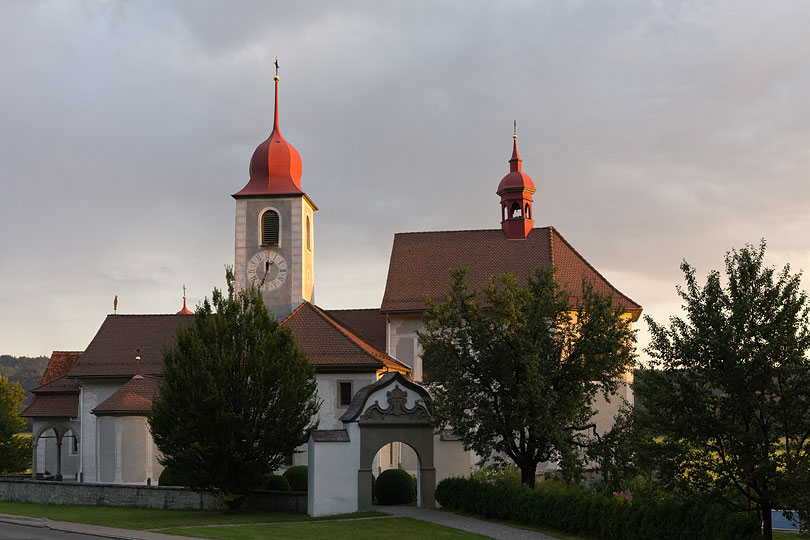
(270, 228)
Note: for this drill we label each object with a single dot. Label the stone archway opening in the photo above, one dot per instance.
(51, 437)
(398, 455)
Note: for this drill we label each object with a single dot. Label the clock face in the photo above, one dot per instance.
(267, 270)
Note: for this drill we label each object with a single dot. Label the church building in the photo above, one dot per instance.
(89, 414)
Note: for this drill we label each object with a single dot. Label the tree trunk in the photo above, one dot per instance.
(767, 526)
(527, 474)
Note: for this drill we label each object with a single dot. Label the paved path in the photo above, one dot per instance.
(85, 530)
(469, 524)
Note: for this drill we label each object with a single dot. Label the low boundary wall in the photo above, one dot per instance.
(169, 498)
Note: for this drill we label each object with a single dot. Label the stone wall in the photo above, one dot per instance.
(170, 498)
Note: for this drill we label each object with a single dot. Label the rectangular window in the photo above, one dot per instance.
(74, 445)
(344, 394)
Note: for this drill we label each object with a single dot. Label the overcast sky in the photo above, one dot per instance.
(654, 131)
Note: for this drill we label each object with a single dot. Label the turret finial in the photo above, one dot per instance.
(138, 362)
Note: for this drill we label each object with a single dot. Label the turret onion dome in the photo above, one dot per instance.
(516, 179)
(275, 168)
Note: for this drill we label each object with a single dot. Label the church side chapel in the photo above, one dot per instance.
(89, 414)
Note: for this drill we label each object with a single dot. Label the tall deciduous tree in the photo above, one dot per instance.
(514, 369)
(15, 451)
(731, 397)
(237, 396)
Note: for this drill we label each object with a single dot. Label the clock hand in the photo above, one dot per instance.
(266, 270)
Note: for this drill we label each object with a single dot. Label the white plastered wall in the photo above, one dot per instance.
(330, 412)
(91, 394)
(332, 482)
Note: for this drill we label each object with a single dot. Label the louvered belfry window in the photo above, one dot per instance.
(270, 228)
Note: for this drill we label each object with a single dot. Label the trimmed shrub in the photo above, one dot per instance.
(297, 477)
(395, 486)
(580, 511)
(276, 482)
(169, 478)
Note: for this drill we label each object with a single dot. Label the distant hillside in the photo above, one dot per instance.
(25, 370)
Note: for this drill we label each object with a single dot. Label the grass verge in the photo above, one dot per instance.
(367, 529)
(147, 518)
(785, 535)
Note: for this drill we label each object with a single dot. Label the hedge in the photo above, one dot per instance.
(168, 478)
(580, 511)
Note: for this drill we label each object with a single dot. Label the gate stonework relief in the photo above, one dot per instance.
(340, 461)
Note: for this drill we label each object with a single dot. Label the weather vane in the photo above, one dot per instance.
(276, 63)
(115, 304)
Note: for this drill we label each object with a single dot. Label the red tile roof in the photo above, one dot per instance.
(368, 324)
(61, 385)
(112, 351)
(59, 364)
(58, 398)
(330, 346)
(53, 406)
(420, 264)
(133, 399)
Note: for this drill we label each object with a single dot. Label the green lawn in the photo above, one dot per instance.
(240, 525)
(145, 518)
(389, 528)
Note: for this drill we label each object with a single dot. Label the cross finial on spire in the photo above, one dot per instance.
(276, 63)
(184, 291)
(514, 133)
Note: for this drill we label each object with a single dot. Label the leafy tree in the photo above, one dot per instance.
(15, 451)
(515, 369)
(616, 452)
(237, 396)
(730, 398)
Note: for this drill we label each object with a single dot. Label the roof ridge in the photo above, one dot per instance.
(589, 265)
(460, 230)
(146, 315)
(353, 309)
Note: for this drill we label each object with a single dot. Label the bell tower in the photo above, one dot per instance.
(274, 248)
(516, 190)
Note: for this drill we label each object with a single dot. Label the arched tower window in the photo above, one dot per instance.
(270, 228)
(309, 235)
(505, 212)
(516, 212)
(528, 211)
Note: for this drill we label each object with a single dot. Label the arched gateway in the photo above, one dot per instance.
(388, 410)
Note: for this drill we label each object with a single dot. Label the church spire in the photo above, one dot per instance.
(516, 189)
(275, 107)
(275, 168)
